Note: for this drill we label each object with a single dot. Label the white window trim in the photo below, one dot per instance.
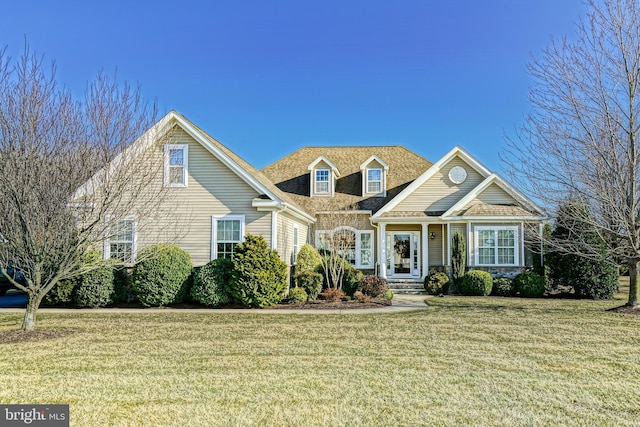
(214, 231)
(383, 188)
(496, 228)
(358, 250)
(329, 182)
(106, 247)
(185, 169)
(296, 244)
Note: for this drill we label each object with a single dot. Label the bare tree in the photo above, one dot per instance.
(580, 140)
(66, 174)
(337, 241)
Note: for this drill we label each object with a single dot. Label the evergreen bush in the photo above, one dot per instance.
(210, 281)
(259, 277)
(96, 287)
(311, 282)
(530, 284)
(297, 295)
(504, 287)
(62, 293)
(308, 260)
(162, 275)
(458, 258)
(476, 282)
(436, 283)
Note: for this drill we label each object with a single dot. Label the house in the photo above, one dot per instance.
(403, 209)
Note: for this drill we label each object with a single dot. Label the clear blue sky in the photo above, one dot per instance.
(267, 77)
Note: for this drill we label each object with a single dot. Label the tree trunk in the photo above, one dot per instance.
(634, 290)
(29, 322)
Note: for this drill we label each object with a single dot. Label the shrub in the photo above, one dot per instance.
(373, 285)
(388, 294)
(360, 297)
(351, 279)
(162, 275)
(476, 282)
(311, 282)
(529, 284)
(259, 277)
(308, 260)
(62, 293)
(122, 284)
(458, 258)
(436, 283)
(210, 281)
(297, 295)
(332, 294)
(504, 287)
(96, 287)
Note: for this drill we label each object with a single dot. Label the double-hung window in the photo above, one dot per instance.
(374, 181)
(227, 232)
(496, 245)
(296, 244)
(121, 242)
(322, 181)
(176, 165)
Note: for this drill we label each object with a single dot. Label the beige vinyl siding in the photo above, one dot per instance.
(494, 195)
(435, 245)
(213, 189)
(285, 236)
(438, 193)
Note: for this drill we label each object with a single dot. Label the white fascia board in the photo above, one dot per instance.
(495, 218)
(355, 212)
(456, 151)
(333, 167)
(264, 205)
(377, 159)
(226, 160)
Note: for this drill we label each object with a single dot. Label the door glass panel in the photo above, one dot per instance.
(388, 247)
(402, 253)
(416, 266)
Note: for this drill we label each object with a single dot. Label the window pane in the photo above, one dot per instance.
(322, 181)
(176, 157)
(176, 175)
(373, 187)
(229, 230)
(365, 241)
(121, 241)
(486, 238)
(374, 174)
(365, 257)
(486, 255)
(506, 238)
(506, 256)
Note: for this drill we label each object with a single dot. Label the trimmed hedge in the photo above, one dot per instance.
(311, 282)
(259, 277)
(210, 281)
(504, 287)
(530, 284)
(373, 286)
(351, 279)
(162, 275)
(476, 282)
(436, 283)
(96, 287)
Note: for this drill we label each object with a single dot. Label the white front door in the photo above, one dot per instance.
(403, 253)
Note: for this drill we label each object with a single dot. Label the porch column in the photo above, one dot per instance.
(425, 250)
(382, 257)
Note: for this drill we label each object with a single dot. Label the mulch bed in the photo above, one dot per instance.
(625, 309)
(338, 305)
(20, 336)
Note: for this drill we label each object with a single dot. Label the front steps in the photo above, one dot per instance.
(406, 286)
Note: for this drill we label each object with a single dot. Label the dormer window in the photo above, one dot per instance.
(322, 181)
(374, 177)
(323, 177)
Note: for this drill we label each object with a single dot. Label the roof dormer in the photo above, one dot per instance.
(323, 177)
(374, 177)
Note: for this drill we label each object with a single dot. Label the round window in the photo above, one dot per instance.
(457, 174)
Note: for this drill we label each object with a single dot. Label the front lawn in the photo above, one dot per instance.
(463, 361)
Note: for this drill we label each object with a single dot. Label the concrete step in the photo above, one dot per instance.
(407, 287)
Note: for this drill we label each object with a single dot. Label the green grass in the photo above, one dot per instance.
(463, 361)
